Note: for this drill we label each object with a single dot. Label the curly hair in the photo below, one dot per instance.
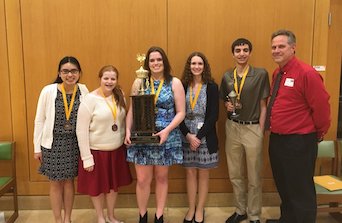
(187, 77)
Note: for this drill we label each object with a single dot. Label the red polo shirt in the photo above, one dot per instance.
(302, 103)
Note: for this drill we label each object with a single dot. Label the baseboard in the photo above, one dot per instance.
(129, 201)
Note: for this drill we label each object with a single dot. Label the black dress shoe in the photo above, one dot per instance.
(199, 221)
(255, 221)
(272, 221)
(143, 219)
(189, 221)
(158, 220)
(236, 218)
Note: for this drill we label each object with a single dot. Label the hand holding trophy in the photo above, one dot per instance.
(232, 97)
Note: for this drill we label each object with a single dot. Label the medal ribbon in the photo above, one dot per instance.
(66, 107)
(193, 101)
(158, 90)
(244, 75)
(113, 108)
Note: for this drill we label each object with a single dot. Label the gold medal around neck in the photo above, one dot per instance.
(193, 100)
(115, 127)
(190, 116)
(113, 109)
(238, 91)
(68, 126)
(158, 90)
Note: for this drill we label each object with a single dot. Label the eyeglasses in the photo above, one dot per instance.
(73, 71)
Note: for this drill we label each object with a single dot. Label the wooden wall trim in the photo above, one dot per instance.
(320, 34)
(17, 90)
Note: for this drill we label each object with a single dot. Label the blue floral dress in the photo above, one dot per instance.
(170, 152)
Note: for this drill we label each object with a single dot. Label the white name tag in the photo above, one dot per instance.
(199, 125)
(289, 82)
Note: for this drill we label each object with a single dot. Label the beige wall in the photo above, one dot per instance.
(36, 34)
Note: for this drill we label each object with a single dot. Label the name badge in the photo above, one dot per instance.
(199, 125)
(289, 82)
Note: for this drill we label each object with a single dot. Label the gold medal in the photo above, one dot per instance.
(68, 109)
(238, 91)
(190, 116)
(193, 100)
(67, 126)
(114, 127)
(113, 109)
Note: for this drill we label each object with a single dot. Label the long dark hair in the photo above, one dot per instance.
(187, 77)
(166, 63)
(67, 59)
(117, 91)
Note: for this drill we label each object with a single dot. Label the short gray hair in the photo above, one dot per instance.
(282, 32)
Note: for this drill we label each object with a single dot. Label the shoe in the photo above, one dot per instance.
(189, 221)
(272, 221)
(236, 218)
(158, 220)
(200, 221)
(255, 221)
(143, 219)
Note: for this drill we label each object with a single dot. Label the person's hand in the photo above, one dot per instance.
(38, 156)
(194, 141)
(229, 106)
(89, 169)
(163, 134)
(128, 138)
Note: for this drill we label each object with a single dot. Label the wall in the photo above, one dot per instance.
(36, 34)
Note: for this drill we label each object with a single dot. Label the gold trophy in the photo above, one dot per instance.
(143, 108)
(232, 96)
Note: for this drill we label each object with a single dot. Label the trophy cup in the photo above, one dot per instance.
(143, 108)
(232, 96)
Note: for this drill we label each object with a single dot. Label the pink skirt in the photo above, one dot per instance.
(111, 171)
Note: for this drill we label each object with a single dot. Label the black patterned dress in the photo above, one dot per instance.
(61, 161)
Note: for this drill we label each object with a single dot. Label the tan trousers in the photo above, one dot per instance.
(244, 144)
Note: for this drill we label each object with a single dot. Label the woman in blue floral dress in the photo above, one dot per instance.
(154, 159)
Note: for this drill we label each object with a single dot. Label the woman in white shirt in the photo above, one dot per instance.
(55, 142)
(101, 132)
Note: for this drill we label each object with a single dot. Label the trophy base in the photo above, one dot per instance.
(144, 139)
(234, 116)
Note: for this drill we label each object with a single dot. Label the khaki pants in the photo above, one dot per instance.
(244, 145)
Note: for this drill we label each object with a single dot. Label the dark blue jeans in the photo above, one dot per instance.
(293, 160)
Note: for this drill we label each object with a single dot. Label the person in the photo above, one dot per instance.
(100, 132)
(200, 143)
(55, 142)
(245, 132)
(299, 117)
(155, 159)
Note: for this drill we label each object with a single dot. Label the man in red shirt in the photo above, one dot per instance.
(299, 116)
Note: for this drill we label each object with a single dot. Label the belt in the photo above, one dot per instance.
(245, 122)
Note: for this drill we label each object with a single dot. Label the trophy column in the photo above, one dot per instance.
(143, 108)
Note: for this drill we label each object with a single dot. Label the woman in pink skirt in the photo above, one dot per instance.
(100, 132)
